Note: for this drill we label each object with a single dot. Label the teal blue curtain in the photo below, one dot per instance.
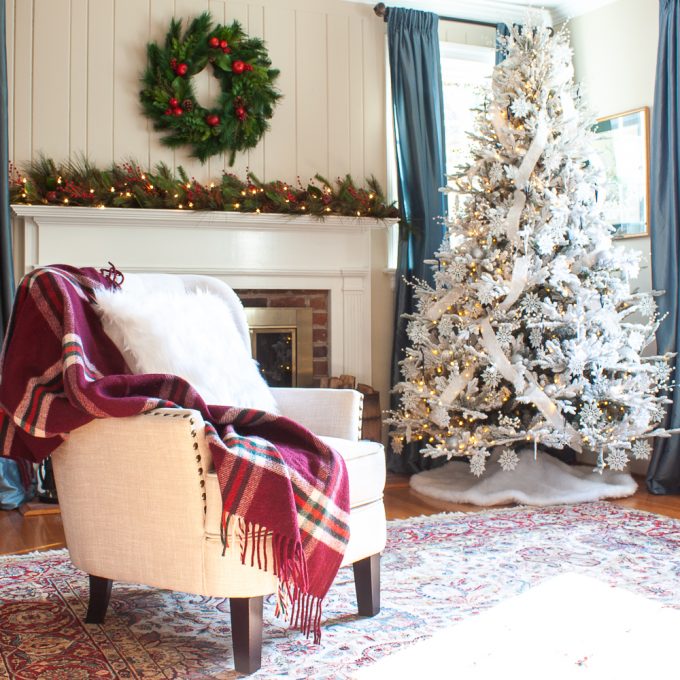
(663, 476)
(418, 106)
(12, 490)
(502, 31)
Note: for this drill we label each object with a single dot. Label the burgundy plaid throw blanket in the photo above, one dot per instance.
(60, 370)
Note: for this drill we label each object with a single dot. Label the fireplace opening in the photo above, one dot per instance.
(281, 342)
(308, 345)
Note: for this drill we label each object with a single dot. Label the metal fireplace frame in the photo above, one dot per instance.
(294, 320)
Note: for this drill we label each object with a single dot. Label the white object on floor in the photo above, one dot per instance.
(570, 626)
(543, 481)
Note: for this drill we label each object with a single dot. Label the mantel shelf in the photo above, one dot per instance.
(181, 219)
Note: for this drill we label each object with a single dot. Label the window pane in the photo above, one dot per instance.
(466, 80)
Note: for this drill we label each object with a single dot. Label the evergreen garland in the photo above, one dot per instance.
(127, 185)
(242, 67)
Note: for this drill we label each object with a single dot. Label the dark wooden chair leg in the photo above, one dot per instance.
(246, 633)
(367, 584)
(100, 592)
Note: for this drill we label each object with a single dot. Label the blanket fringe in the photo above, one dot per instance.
(289, 564)
(115, 276)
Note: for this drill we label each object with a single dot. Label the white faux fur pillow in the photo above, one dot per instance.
(186, 334)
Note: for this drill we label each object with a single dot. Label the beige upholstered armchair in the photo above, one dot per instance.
(141, 503)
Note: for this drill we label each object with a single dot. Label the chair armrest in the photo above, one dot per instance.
(326, 412)
(135, 487)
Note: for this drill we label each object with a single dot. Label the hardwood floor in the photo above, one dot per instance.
(19, 534)
(401, 502)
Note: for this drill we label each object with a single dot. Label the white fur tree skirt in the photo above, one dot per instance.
(544, 481)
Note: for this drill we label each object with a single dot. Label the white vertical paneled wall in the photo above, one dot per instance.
(75, 65)
(74, 68)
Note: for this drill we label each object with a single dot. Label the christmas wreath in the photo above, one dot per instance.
(240, 64)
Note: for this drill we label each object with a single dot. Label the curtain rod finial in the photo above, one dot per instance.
(381, 11)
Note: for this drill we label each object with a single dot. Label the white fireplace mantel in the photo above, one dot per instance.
(259, 251)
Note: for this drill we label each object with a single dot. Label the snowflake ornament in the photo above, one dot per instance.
(504, 335)
(486, 296)
(417, 332)
(478, 463)
(647, 306)
(491, 377)
(590, 414)
(531, 304)
(496, 222)
(411, 401)
(545, 242)
(535, 337)
(641, 450)
(657, 413)
(458, 270)
(445, 326)
(663, 372)
(617, 460)
(508, 460)
(520, 107)
(496, 173)
(411, 370)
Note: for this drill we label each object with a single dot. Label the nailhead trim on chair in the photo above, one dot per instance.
(361, 414)
(193, 433)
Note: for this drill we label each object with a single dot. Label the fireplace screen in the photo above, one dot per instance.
(281, 341)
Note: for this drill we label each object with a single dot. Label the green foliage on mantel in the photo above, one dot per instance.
(126, 185)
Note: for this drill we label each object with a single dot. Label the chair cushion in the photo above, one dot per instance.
(365, 462)
(191, 335)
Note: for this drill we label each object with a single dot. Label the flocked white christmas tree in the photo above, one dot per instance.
(531, 338)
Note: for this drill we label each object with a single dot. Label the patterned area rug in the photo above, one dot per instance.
(437, 571)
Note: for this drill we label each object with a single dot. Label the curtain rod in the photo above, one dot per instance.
(381, 10)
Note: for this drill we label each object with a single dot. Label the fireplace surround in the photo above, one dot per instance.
(249, 251)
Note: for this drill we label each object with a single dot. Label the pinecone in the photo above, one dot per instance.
(187, 105)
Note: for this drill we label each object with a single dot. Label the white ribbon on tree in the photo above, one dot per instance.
(531, 157)
(520, 276)
(457, 385)
(514, 215)
(526, 387)
(439, 307)
(500, 127)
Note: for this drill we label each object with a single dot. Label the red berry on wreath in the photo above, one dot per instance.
(173, 63)
(172, 103)
(240, 112)
(248, 67)
(51, 195)
(212, 120)
(168, 112)
(177, 111)
(223, 44)
(238, 66)
(226, 50)
(182, 69)
(214, 41)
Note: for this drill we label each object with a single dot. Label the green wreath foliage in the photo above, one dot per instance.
(242, 67)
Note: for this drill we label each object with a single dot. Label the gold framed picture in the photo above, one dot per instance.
(622, 142)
